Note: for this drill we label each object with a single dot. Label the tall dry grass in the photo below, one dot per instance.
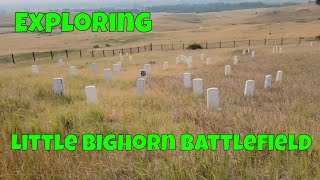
(28, 105)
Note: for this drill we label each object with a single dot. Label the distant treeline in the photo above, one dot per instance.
(193, 8)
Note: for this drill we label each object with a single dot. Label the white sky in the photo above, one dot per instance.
(13, 2)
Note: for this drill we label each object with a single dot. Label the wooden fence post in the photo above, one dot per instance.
(281, 41)
(151, 46)
(300, 40)
(103, 53)
(34, 56)
(172, 46)
(265, 42)
(13, 59)
(138, 49)
(234, 43)
(113, 52)
(220, 44)
(67, 53)
(206, 45)
(130, 51)
(80, 54)
(249, 42)
(51, 55)
(183, 46)
(122, 51)
(92, 53)
(145, 48)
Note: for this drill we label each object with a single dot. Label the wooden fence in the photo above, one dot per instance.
(33, 56)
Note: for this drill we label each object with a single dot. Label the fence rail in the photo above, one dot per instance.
(89, 53)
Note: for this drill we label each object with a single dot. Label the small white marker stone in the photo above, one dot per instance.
(253, 54)
(249, 88)
(34, 69)
(58, 86)
(209, 61)
(227, 70)
(213, 99)
(116, 68)
(73, 70)
(107, 74)
(235, 60)
(267, 82)
(244, 52)
(147, 67)
(91, 94)
(140, 86)
(279, 76)
(198, 87)
(61, 63)
(165, 66)
(187, 80)
(189, 64)
(94, 67)
(202, 57)
(276, 49)
(280, 50)
(130, 58)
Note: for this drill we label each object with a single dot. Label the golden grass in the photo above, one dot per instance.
(28, 105)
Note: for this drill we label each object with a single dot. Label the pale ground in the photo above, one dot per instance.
(292, 21)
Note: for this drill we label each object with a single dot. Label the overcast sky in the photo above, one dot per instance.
(11, 2)
(15, 5)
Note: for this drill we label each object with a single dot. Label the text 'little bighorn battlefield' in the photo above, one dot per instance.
(98, 21)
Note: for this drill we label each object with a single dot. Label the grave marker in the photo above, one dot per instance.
(189, 64)
(91, 94)
(267, 82)
(73, 70)
(227, 70)
(198, 87)
(187, 80)
(116, 68)
(165, 66)
(209, 61)
(34, 69)
(140, 86)
(202, 57)
(58, 86)
(213, 99)
(279, 76)
(249, 88)
(235, 60)
(253, 54)
(147, 67)
(94, 67)
(107, 74)
(61, 63)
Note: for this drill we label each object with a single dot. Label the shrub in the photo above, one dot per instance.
(194, 46)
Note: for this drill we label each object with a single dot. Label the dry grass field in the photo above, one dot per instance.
(29, 106)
